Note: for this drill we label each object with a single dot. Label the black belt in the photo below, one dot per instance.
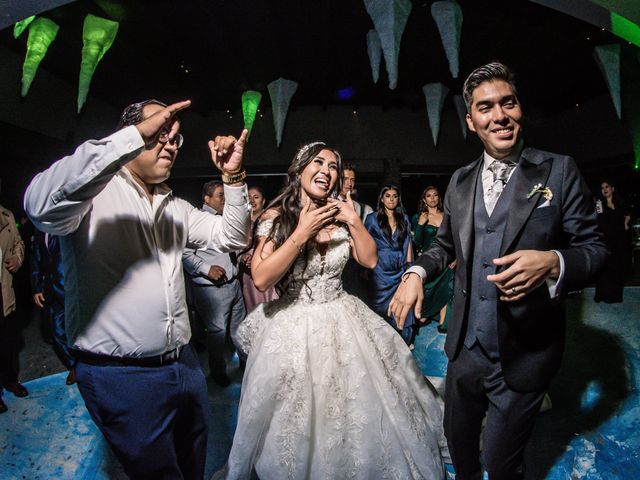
(101, 360)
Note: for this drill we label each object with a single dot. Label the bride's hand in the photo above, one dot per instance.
(311, 221)
(346, 210)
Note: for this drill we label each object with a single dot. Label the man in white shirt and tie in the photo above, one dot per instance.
(122, 237)
(521, 224)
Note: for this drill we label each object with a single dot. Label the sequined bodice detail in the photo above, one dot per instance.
(316, 276)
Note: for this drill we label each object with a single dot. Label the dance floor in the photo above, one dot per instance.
(592, 432)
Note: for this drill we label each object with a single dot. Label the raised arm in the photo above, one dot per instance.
(232, 230)
(363, 247)
(57, 199)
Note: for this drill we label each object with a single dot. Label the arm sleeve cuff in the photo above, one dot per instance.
(236, 195)
(553, 284)
(418, 270)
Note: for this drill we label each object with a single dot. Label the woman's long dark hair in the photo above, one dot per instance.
(398, 213)
(616, 198)
(287, 203)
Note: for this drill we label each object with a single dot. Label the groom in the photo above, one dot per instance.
(521, 224)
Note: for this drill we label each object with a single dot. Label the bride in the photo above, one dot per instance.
(330, 390)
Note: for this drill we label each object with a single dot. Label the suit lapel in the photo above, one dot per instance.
(467, 182)
(532, 170)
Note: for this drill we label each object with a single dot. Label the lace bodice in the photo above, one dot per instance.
(315, 276)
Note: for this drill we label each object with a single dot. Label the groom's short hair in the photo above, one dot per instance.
(486, 73)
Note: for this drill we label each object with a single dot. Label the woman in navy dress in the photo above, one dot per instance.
(390, 228)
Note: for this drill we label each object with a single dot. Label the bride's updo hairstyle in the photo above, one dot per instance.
(287, 203)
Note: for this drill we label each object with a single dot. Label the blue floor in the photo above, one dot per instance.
(592, 432)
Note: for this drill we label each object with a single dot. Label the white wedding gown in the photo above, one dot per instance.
(330, 390)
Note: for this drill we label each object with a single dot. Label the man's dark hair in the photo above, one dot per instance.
(349, 166)
(486, 73)
(210, 187)
(132, 115)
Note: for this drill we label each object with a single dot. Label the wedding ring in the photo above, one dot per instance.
(513, 291)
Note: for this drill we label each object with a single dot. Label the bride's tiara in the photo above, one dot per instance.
(306, 148)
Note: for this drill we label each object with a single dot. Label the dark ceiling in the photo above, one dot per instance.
(213, 50)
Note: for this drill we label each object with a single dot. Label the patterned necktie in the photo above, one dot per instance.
(501, 172)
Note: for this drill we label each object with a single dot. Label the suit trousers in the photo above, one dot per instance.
(11, 342)
(154, 418)
(475, 387)
(219, 307)
(60, 344)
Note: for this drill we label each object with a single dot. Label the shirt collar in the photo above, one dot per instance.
(513, 158)
(207, 208)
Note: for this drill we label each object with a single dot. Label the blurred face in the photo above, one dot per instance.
(216, 199)
(257, 200)
(348, 182)
(153, 165)
(496, 117)
(390, 199)
(607, 190)
(320, 176)
(431, 198)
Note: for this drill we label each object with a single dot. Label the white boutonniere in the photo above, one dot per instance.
(545, 191)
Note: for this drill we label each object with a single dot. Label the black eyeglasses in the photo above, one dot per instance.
(177, 139)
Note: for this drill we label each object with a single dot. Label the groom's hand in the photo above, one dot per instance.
(408, 295)
(526, 270)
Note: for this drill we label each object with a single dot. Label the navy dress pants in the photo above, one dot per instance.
(475, 386)
(154, 418)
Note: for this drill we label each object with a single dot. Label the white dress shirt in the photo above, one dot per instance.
(122, 254)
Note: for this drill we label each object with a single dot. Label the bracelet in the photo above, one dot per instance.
(229, 179)
(296, 245)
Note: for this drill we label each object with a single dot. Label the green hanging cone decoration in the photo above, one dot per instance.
(42, 32)
(22, 25)
(250, 103)
(98, 35)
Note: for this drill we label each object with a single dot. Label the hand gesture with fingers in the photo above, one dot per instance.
(311, 221)
(346, 210)
(526, 270)
(162, 120)
(227, 152)
(408, 295)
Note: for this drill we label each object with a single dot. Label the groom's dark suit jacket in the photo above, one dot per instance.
(530, 331)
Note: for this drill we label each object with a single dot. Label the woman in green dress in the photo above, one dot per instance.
(438, 293)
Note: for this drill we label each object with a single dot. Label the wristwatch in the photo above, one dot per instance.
(231, 178)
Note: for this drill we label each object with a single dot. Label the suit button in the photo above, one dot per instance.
(483, 298)
(485, 265)
(490, 230)
(464, 292)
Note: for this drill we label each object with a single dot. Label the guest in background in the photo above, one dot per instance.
(613, 218)
(354, 275)
(216, 289)
(47, 286)
(252, 296)
(349, 186)
(438, 293)
(12, 256)
(390, 228)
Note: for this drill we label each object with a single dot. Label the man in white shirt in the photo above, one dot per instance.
(354, 276)
(216, 289)
(521, 225)
(349, 186)
(122, 236)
